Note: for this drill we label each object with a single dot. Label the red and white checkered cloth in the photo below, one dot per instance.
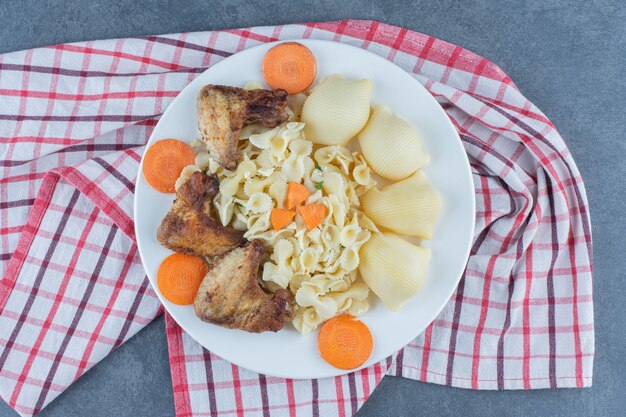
(73, 122)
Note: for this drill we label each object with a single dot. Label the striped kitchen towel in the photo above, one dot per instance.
(73, 122)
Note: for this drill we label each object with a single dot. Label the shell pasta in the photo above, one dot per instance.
(391, 145)
(393, 268)
(336, 110)
(409, 207)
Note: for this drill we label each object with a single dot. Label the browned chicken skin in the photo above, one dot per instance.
(224, 110)
(189, 228)
(230, 294)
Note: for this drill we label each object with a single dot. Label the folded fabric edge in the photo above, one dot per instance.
(46, 190)
(491, 385)
(182, 403)
(33, 220)
(100, 199)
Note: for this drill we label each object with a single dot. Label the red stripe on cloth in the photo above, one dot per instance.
(36, 139)
(291, 397)
(450, 64)
(422, 56)
(177, 366)
(478, 72)
(341, 408)
(397, 43)
(339, 30)
(119, 95)
(237, 388)
(369, 37)
(247, 34)
(365, 378)
(428, 336)
(21, 178)
(123, 55)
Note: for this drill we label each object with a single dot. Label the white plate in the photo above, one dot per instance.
(287, 353)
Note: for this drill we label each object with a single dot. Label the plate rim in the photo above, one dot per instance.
(466, 167)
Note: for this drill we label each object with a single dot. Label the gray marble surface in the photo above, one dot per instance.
(569, 58)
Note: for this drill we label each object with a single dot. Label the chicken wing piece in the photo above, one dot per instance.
(189, 228)
(230, 294)
(224, 110)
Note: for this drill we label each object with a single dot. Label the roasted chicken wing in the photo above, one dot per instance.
(230, 294)
(224, 110)
(189, 228)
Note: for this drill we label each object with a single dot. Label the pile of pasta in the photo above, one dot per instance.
(318, 266)
(358, 246)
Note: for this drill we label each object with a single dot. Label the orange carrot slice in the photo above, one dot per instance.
(179, 277)
(312, 215)
(345, 343)
(281, 218)
(290, 66)
(296, 194)
(164, 161)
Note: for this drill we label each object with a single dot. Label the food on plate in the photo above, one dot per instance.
(290, 66)
(408, 207)
(296, 194)
(391, 145)
(189, 227)
(289, 215)
(336, 110)
(345, 343)
(179, 277)
(164, 162)
(393, 268)
(318, 268)
(312, 215)
(281, 217)
(224, 110)
(230, 294)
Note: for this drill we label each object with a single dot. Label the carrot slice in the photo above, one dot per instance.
(312, 215)
(281, 218)
(179, 277)
(290, 66)
(345, 343)
(164, 161)
(296, 194)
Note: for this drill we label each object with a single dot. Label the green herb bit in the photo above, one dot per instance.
(318, 185)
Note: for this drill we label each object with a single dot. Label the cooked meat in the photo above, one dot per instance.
(224, 110)
(189, 228)
(230, 294)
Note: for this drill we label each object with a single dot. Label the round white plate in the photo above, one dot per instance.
(287, 353)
